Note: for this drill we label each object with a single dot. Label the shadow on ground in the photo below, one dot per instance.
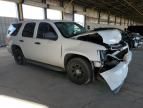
(53, 89)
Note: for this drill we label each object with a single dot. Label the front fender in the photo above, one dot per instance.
(86, 49)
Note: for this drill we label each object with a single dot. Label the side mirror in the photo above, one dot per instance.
(50, 36)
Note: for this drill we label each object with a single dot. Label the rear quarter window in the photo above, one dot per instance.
(14, 29)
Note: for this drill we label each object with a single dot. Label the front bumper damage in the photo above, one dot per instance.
(116, 75)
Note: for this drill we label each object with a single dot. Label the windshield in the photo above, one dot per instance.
(70, 29)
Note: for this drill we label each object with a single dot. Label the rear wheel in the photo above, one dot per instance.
(18, 56)
(79, 70)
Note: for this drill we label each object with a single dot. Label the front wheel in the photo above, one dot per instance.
(79, 70)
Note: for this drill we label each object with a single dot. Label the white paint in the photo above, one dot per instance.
(116, 76)
(110, 36)
(53, 52)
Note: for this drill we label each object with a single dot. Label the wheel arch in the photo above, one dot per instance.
(14, 46)
(72, 55)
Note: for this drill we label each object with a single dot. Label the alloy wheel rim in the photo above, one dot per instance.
(77, 72)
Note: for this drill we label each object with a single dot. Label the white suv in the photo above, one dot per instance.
(68, 46)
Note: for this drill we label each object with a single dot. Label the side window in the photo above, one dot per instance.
(28, 30)
(46, 31)
(14, 29)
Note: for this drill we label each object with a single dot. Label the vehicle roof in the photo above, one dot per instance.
(53, 21)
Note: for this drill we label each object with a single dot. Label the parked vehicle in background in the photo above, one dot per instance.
(67, 45)
(134, 40)
(136, 29)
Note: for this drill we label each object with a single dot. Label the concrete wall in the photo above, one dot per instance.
(91, 17)
(67, 12)
(94, 25)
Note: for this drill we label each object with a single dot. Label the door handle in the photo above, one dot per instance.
(38, 43)
(21, 40)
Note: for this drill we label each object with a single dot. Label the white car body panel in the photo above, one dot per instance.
(86, 49)
(116, 76)
(110, 36)
(54, 52)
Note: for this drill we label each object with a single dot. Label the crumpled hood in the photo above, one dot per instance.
(108, 36)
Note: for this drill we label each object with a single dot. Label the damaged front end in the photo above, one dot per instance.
(115, 66)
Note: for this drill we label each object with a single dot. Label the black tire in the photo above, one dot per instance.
(18, 56)
(79, 70)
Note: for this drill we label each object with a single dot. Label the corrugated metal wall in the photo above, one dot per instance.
(4, 24)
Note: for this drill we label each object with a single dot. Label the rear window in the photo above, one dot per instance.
(14, 29)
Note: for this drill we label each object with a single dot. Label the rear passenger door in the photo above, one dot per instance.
(47, 45)
(26, 40)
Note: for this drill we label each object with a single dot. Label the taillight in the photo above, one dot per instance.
(7, 40)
